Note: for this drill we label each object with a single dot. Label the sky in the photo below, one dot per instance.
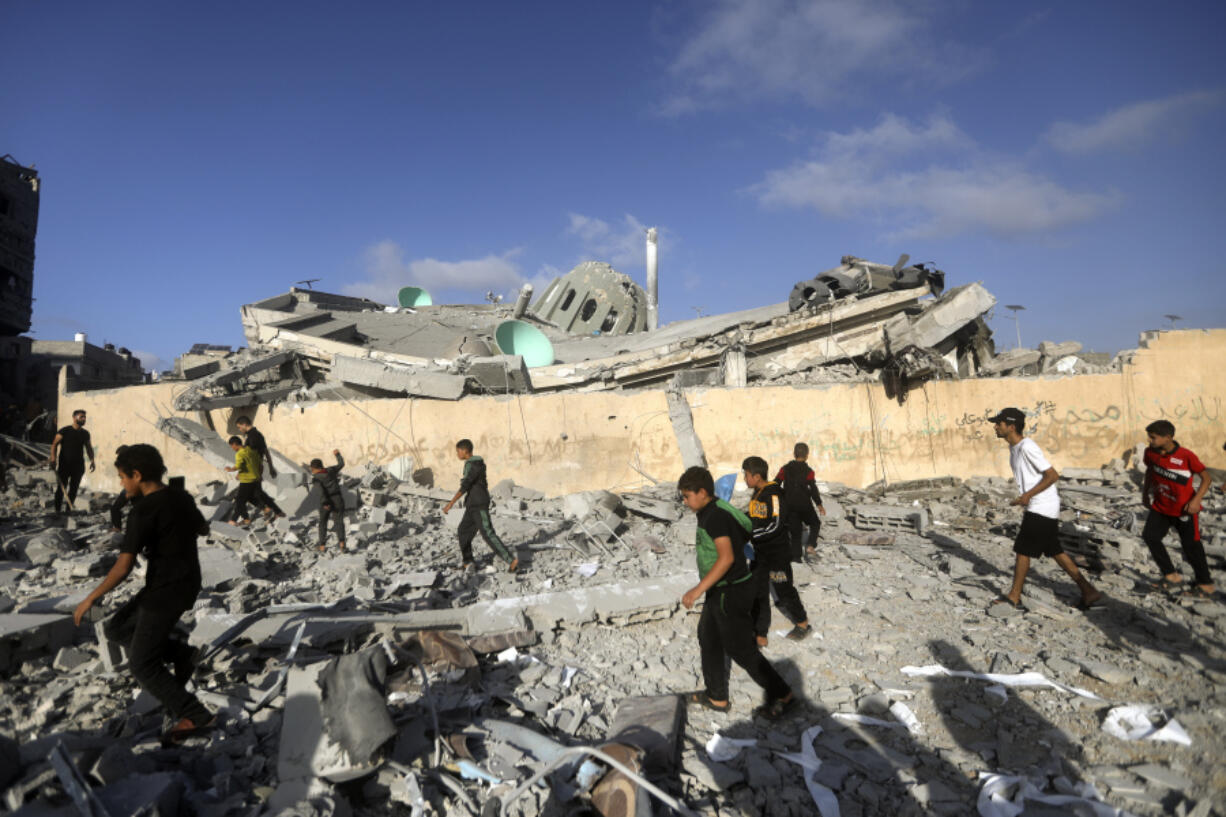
(198, 156)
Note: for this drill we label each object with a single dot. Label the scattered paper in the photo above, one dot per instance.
(587, 569)
(722, 749)
(807, 759)
(866, 720)
(904, 714)
(994, 800)
(568, 674)
(997, 690)
(1136, 722)
(508, 655)
(1020, 679)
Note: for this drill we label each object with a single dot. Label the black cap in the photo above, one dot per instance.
(1009, 415)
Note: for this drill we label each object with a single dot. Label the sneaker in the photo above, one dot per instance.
(185, 729)
(799, 633)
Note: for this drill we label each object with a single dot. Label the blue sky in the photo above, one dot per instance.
(196, 157)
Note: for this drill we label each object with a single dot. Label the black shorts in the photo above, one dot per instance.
(1039, 536)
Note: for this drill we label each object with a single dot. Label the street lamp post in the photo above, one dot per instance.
(1015, 308)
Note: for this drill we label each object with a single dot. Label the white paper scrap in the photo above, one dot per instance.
(866, 720)
(903, 712)
(1020, 679)
(997, 690)
(827, 803)
(721, 749)
(1136, 722)
(994, 800)
(587, 569)
(508, 655)
(568, 674)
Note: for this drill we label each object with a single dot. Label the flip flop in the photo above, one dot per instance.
(1099, 603)
(1021, 608)
(1198, 593)
(1165, 585)
(702, 699)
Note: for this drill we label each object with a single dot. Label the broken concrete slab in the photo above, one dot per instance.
(652, 723)
(890, 517)
(397, 378)
(679, 414)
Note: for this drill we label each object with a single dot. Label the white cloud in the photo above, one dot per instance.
(926, 180)
(624, 245)
(387, 271)
(151, 362)
(814, 50)
(1133, 126)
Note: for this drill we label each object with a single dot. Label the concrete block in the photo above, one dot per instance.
(157, 793)
(501, 374)
(23, 635)
(218, 565)
(114, 655)
(890, 517)
(69, 658)
(224, 530)
(401, 468)
(396, 378)
(378, 517)
(306, 751)
(653, 723)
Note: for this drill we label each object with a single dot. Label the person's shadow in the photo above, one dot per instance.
(870, 769)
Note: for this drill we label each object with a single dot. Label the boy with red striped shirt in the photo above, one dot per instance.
(1174, 503)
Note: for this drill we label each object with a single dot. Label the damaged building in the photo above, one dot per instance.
(382, 679)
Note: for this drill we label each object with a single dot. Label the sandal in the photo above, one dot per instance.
(1021, 608)
(701, 698)
(1099, 603)
(1165, 585)
(1198, 593)
(773, 710)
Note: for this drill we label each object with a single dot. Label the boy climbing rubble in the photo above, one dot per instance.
(162, 527)
(326, 483)
(476, 509)
(726, 625)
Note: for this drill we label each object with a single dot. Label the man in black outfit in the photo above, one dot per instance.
(256, 442)
(770, 544)
(68, 451)
(800, 494)
(163, 527)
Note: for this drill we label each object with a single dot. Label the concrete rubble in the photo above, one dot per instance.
(588, 330)
(383, 679)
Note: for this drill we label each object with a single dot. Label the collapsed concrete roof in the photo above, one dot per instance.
(587, 331)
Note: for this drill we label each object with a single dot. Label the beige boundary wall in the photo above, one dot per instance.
(559, 443)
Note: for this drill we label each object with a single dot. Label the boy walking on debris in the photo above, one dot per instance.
(770, 544)
(68, 451)
(800, 494)
(247, 465)
(327, 483)
(1172, 503)
(726, 625)
(1039, 534)
(162, 527)
(256, 442)
(476, 509)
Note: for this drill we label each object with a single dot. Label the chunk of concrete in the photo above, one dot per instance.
(652, 723)
(23, 635)
(396, 378)
(198, 439)
(692, 453)
(219, 565)
(502, 374)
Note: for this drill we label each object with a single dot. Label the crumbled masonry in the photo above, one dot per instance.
(859, 321)
(382, 680)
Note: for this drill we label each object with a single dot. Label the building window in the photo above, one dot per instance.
(589, 309)
(568, 300)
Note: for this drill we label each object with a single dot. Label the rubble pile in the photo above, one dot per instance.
(382, 679)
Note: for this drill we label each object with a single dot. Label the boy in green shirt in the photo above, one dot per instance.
(726, 625)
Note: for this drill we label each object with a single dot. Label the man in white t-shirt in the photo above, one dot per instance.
(1038, 536)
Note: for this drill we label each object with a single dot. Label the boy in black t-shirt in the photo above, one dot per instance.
(800, 495)
(163, 528)
(726, 626)
(68, 451)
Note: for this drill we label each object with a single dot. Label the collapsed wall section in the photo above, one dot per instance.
(561, 443)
